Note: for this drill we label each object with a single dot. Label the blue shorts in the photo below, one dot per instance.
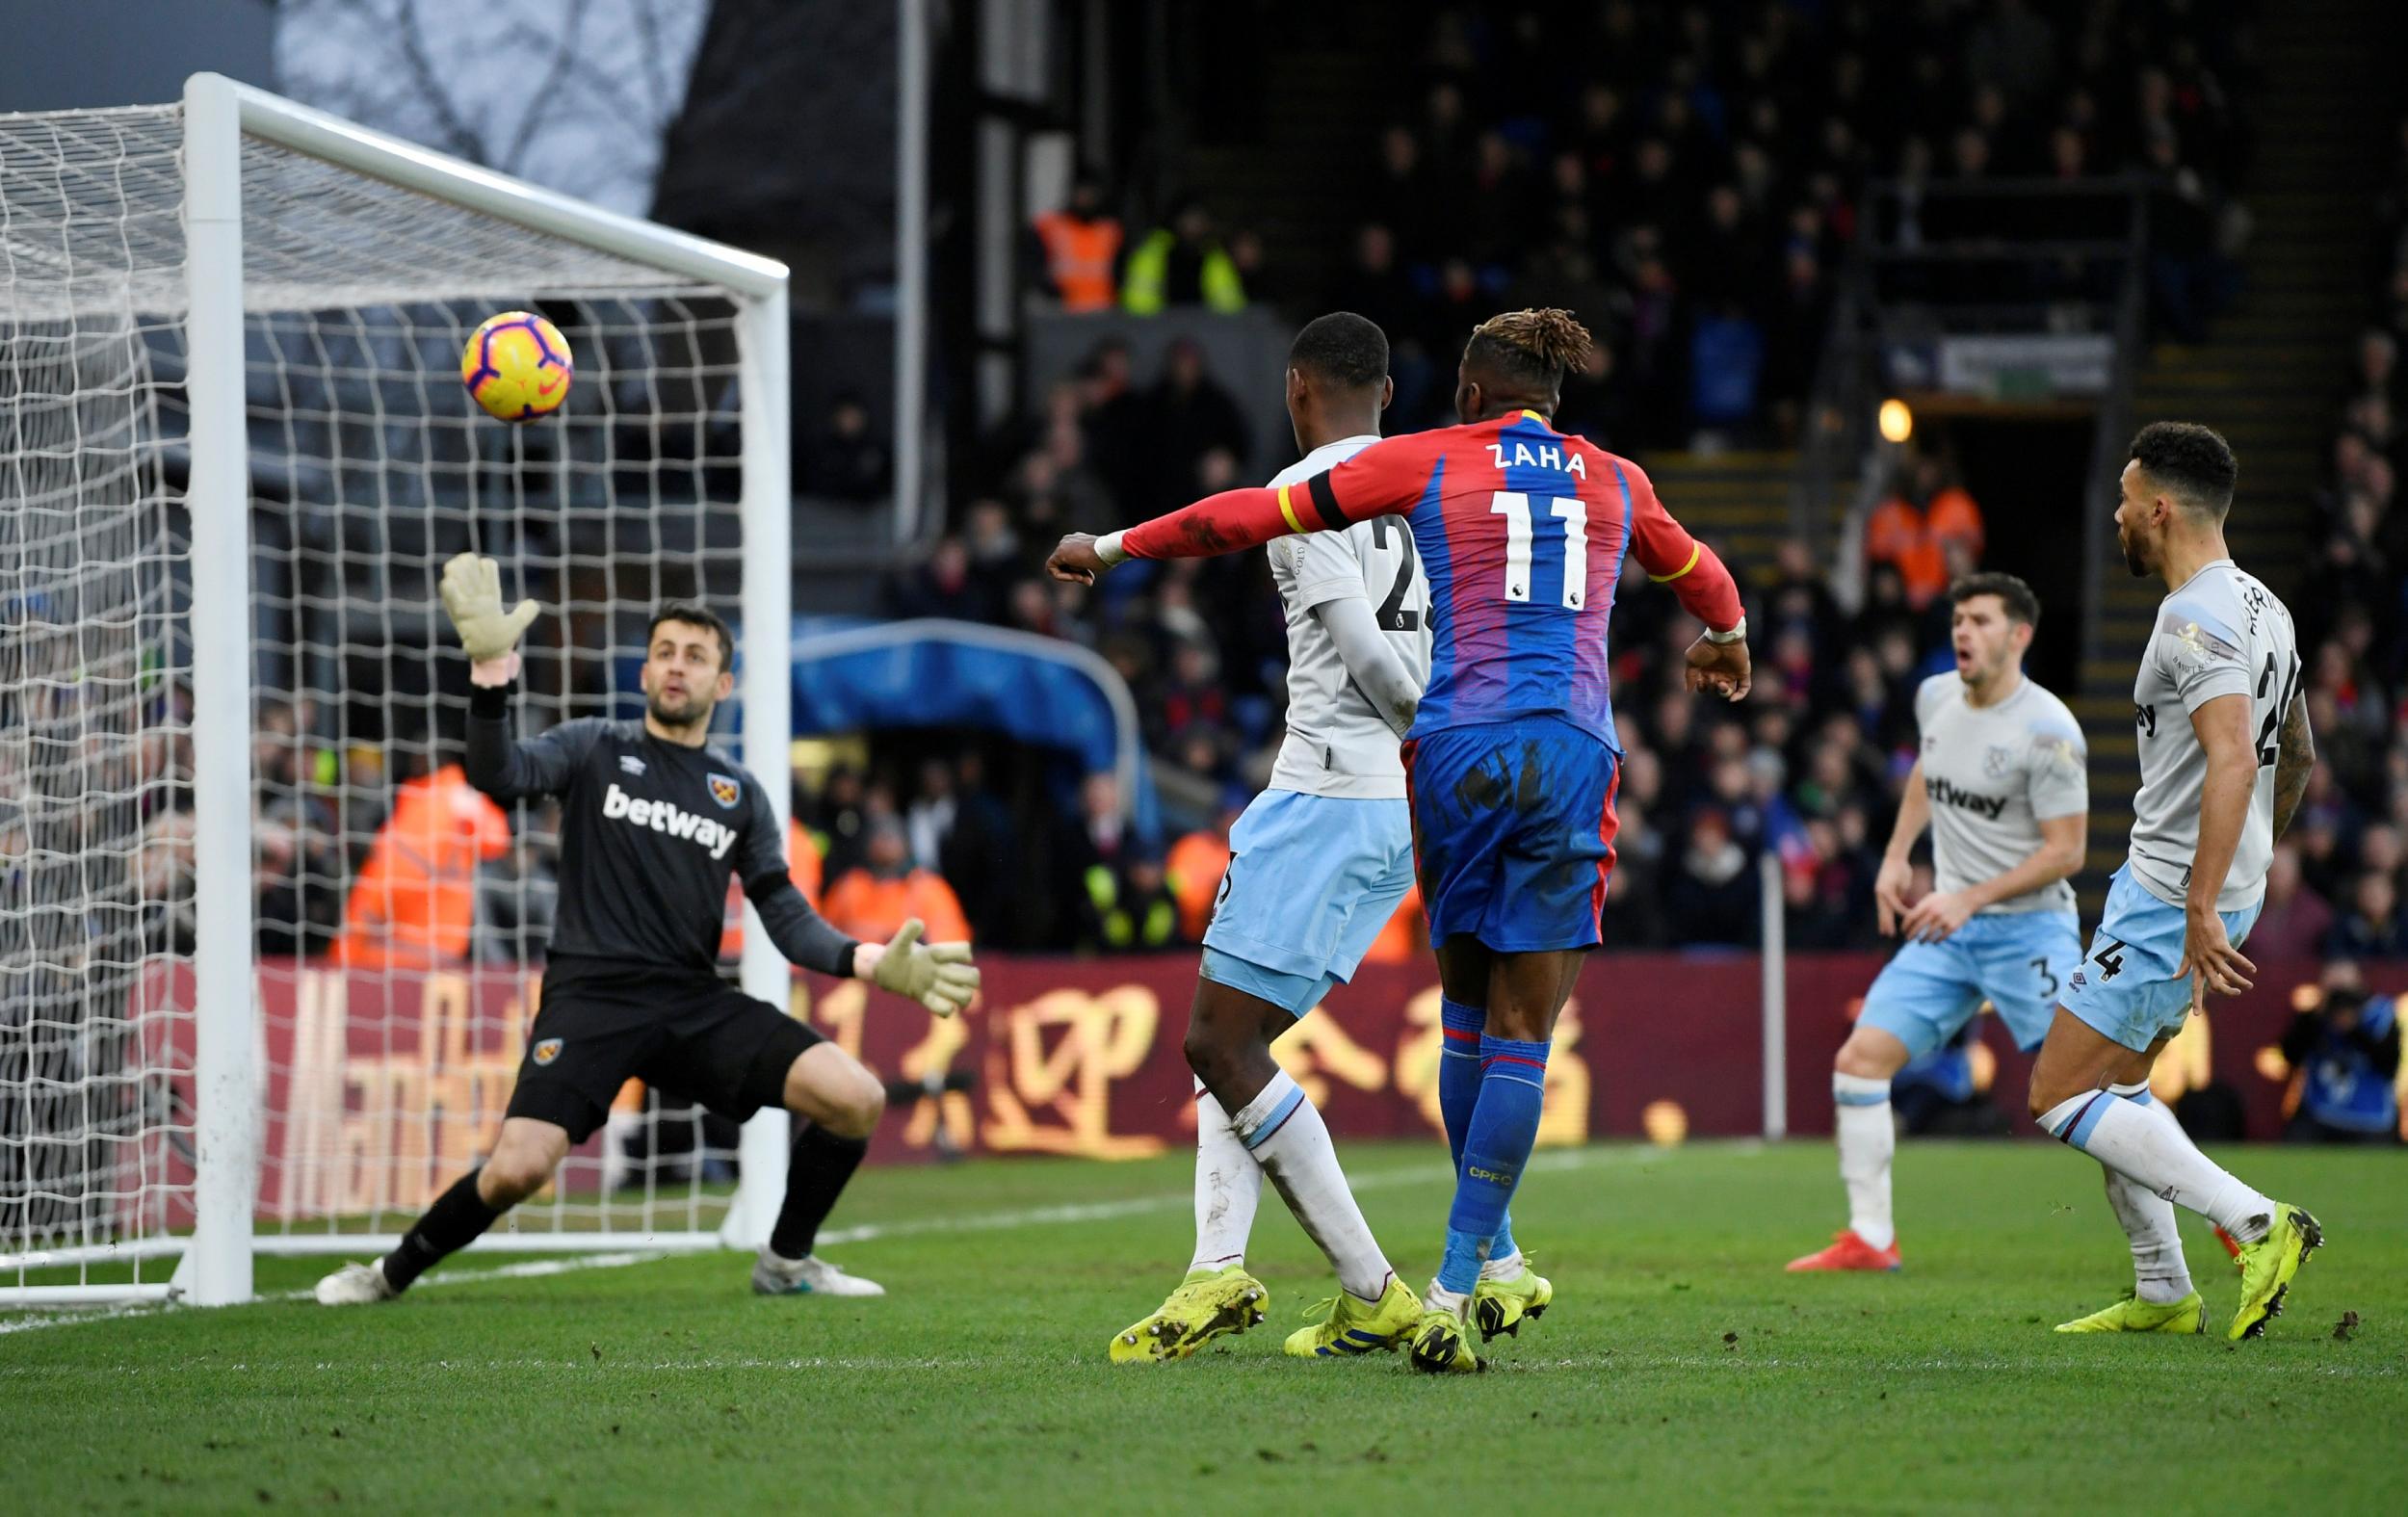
(2126, 989)
(2016, 961)
(1312, 880)
(1513, 832)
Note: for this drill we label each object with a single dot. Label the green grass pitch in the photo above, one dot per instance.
(1680, 1370)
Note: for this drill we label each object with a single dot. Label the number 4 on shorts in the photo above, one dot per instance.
(2110, 957)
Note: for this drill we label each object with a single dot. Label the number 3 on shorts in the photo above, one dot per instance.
(2047, 973)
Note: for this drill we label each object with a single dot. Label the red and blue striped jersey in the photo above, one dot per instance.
(1523, 530)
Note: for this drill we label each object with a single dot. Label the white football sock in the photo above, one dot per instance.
(2160, 1275)
(1867, 1139)
(1508, 1266)
(2125, 1138)
(1287, 1137)
(1228, 1187)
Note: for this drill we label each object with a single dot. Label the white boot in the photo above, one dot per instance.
(355, 1285)
(809, 1276)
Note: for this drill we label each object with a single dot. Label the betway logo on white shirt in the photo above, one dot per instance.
(676, 821)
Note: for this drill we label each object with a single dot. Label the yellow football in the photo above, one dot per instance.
(517, 366)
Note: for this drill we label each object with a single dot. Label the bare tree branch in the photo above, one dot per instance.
(564, 58)
(464, 140)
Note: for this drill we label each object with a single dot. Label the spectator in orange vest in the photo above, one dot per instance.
(887, 889)
(414, 903)
(1081, 243)
(1914, 529)
(1196, 863)
(802, 867)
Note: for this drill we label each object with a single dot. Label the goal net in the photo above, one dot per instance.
(258, 938)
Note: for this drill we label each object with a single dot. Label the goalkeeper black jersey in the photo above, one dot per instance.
(651, 832)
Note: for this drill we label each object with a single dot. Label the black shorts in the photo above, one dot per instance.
(601, 1025)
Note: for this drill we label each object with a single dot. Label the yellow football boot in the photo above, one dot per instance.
(1442, 1345)
(1350, 1326)
(1208, 1304)
(1497, 1306)
(2267, 1268)
(2132, 1315)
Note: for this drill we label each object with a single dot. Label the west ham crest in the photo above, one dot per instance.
(725, 790)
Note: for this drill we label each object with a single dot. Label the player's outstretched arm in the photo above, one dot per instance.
(939, 976)
(808, 939)
(1385, 480)
(496, 764)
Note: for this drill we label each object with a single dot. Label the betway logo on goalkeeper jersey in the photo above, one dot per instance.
(676, 821)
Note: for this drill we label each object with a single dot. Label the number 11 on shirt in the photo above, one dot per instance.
(1515, 507)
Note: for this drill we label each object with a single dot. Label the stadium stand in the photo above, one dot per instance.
(1590, 192)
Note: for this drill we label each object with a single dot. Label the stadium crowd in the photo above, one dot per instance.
(2341, 877)
(1688, 179)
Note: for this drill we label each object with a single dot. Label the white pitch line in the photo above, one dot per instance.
(1555, 1162)
(2186, 1366)
(1552, 1162)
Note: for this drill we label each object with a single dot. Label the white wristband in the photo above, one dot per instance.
(1109, 549)
(1737, 633)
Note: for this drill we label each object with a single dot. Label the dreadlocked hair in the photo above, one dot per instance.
(1534, 346)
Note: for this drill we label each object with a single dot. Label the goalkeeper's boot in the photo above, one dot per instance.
(1350, 1326)
(1442, 1341)
(356, 1284)
(1499, 1303)
(2267, 1268)
(809, 1276)
(2132, 1315)
(1208, 1304)
(1847, 1251)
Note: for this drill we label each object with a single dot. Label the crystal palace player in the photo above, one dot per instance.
(1512, 759)
(655, 821)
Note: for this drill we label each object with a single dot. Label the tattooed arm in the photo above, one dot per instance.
(2295, 759)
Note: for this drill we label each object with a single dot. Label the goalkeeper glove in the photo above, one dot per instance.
(472, 596)
(939, 976)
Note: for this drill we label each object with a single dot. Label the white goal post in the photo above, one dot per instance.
(233, 452)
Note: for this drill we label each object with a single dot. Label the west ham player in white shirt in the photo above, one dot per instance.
(2225, 753)
(1320, 862)
(2000, 779)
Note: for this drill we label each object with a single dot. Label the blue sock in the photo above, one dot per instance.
(1495, 1146)
(1458, 1091)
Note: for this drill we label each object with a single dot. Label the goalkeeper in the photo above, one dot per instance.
(653, 821)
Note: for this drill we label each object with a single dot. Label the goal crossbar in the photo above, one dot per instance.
(364, 150)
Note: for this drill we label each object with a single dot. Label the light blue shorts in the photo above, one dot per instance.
(2016, 961)
(1312, 880)
(2126, 989)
